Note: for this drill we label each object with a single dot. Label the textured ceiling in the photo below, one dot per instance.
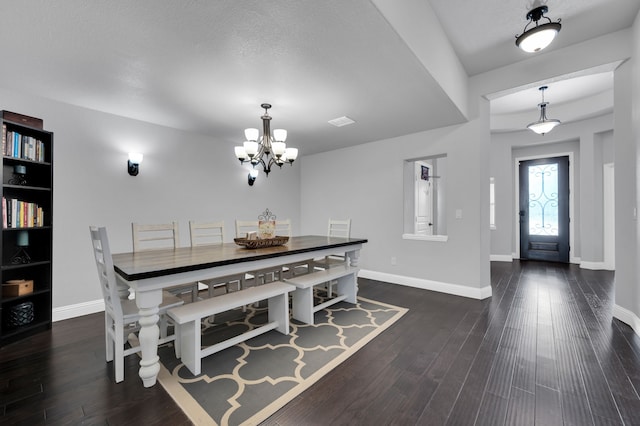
(206, 66)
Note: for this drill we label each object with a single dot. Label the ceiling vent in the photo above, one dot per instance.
(341, 121)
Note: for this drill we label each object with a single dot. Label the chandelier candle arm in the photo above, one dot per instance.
(267, 149)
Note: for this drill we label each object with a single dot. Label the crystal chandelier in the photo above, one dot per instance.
(266, 149)
(544, 124)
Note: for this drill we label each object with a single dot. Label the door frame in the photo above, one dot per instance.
(516, 223)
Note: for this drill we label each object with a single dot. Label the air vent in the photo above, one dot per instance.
(341, 121)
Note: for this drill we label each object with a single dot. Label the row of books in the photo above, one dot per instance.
(21, 214)
(17, 145)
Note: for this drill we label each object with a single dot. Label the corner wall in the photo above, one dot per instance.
(627, 142)
(365, 183)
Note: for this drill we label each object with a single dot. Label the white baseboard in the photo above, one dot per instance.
(455, 289)
(501, 258)
(78, 310)
(575, 260)
(595, 266)
(627, 317)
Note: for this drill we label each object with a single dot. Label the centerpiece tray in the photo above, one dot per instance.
(267, 242)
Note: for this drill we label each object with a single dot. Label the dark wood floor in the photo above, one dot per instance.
(543, 350)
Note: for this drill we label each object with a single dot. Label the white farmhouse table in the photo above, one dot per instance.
(149, 272)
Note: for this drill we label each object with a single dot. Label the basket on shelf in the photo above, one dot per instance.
(21, 314)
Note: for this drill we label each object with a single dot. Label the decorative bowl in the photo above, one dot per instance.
(267, 242)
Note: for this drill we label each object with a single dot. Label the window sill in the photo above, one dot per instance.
(436, 238)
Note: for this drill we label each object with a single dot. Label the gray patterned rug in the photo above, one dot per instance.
(247, 383)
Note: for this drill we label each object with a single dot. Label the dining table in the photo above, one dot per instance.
(147, 273)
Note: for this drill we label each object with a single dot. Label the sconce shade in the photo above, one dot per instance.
(133, 164)
(253, 174)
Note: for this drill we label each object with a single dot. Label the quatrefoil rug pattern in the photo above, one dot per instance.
(248, 382)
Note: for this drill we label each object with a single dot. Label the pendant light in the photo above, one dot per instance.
(544, 124)
(540, 36)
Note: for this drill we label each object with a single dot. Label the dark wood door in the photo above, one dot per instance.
(544, 209)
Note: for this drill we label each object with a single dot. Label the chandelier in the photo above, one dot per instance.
(540, 36)
(266, 149)
(544, 124)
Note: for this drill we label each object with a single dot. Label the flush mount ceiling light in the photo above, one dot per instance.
(544, 124)
(540, 36)
(266, 149)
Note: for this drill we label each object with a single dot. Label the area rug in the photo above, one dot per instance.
(245, 384)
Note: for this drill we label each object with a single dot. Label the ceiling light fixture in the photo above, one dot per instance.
(544, 124)
(540, 36)
(266, 149)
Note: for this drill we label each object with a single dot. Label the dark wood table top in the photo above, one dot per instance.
(155, 263)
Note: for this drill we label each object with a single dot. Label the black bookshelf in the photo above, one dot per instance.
(27, 232)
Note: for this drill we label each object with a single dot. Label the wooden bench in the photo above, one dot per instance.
(187, 319)
(347, 290)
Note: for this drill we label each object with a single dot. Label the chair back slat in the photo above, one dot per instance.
(206, 233)
(155, 236)
(106, 274)
(283, 228)
(244, 226)
(339, 228)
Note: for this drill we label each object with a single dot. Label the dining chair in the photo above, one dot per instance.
(162, 236)
(245, 226)
(121, 315)
(283, 228)
(212, 233)
(336, 228)
(255, 277)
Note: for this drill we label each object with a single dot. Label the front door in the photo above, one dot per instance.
(544, 209)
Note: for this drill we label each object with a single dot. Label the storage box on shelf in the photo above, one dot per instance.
(26, 243)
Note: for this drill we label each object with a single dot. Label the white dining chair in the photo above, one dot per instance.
(162, 236)
(284, 229)
(243, 227)
(336, 228)
(121, 315)
(212, 233)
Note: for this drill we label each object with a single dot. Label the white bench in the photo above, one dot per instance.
(187, 319)
(347, 290)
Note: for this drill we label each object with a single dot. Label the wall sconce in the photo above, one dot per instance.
(133, 164)
(253, 174)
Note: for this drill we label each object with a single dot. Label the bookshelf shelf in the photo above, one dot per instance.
(26, 245)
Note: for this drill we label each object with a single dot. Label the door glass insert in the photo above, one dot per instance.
(543, 199)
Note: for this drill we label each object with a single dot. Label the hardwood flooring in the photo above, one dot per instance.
(543, 350)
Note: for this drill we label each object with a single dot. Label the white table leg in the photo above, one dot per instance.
(148, 302)
(354, 256)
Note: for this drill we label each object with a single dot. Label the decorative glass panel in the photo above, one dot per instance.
(543, 199)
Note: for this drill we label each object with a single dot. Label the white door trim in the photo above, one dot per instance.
(572, 259)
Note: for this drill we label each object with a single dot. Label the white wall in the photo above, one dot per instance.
(365, 183)
(627, 162)
(183, 176)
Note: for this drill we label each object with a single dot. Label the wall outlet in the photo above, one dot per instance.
(458, 213)
(394, 261)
